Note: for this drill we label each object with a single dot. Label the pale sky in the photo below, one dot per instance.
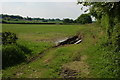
(43, 9)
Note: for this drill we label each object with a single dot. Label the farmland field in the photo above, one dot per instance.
(41, 35)
(38, 33)
(40, 38)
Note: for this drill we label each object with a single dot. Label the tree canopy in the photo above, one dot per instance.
(84, 18)
(106, 13)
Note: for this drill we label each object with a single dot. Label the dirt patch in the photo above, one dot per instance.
(83, 58)
(68, 73)
(75, 69)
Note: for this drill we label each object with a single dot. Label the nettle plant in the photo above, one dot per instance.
(8, 38)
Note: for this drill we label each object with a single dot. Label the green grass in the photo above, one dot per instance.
(40, 37)
(41, 32)
(35, 47)
(86, 57)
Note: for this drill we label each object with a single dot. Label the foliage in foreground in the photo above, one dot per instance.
(13, 54)
(107, 15)
(8, 38)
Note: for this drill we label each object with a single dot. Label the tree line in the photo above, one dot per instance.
(82, 19)
(17, 18)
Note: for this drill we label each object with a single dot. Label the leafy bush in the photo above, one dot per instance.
(111, 55)
(116, 37)
(14, 54)
(11, 55)
(8, 38)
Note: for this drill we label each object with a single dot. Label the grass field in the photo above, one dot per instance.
(39, 36)
(77, 57)
(41, 32)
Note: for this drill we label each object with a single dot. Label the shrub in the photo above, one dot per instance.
(116, 37)
(8, 38)
(11, 55)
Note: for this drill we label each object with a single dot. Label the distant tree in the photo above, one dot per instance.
(29, 18)
(52, 19)
(84, 18)
(67, 20)
(11, 17)
(57, 19)
(45, 20)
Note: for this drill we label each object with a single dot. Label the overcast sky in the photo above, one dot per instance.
(43, 9)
